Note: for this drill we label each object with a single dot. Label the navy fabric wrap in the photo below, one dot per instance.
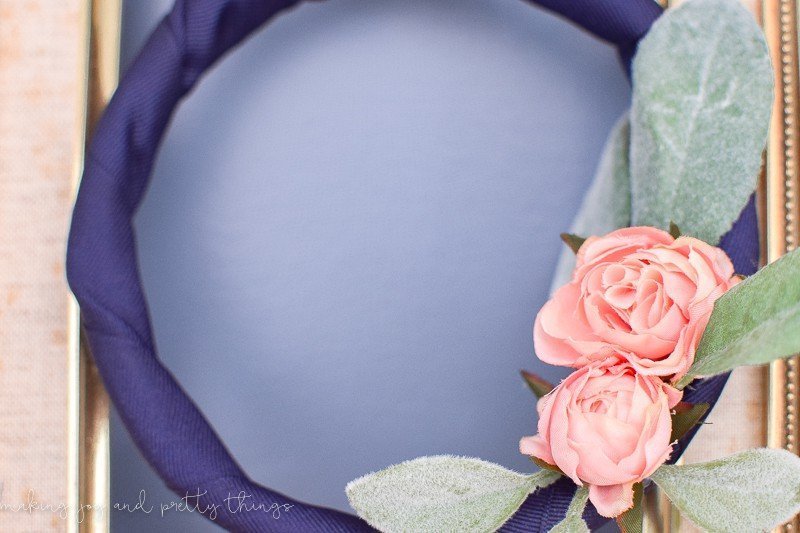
(102, 268)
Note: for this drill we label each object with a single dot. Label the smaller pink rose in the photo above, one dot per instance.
(639, 293)
(608, 427)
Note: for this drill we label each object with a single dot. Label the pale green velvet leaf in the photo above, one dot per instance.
(573, 521)
(442, 494)
(755, 490)
(702, 96)
(607, 204)
(755, 322)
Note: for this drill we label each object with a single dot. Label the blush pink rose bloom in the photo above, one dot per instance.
(607, 427)
(637, 292)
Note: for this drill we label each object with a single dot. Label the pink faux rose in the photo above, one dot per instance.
(608, 427)
(637, 292)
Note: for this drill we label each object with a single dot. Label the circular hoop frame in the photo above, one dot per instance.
(102, 266)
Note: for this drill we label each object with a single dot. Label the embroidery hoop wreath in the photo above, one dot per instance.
(102, 268)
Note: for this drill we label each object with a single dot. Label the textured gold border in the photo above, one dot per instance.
(73, 355)
(779, 193)
(88, 405)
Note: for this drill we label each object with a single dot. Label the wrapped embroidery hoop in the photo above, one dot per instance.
(103, 272)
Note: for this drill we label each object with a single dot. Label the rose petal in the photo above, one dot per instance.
(611, 500)
(557, 336)
(536, 447)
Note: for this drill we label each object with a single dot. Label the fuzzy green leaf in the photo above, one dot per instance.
(573, 522)
(538, 386)
(607, 204)
(702, 97)
(686, 417)
(442, 494)
(632, 520)
(755, 322)
(755, 490)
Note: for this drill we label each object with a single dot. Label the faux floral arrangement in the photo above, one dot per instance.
(644, 311)
(630, 321)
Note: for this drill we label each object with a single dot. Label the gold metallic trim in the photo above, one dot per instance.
(73, 331)
(780, 231)
(88, 405)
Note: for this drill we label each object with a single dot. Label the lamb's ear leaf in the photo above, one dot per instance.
(607, 204)
(756, 490)
(702, 97)
(443, 493)
(631, 521)
(573, 522)
(573, 241)
(538, 385)
(686, 417)
(755, 322)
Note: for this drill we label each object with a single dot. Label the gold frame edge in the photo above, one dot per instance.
(87, 402)
(778, 199)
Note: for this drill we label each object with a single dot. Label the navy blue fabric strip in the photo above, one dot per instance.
(102, 268)
(620, 22)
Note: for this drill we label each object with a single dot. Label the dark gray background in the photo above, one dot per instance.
(351, 226)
